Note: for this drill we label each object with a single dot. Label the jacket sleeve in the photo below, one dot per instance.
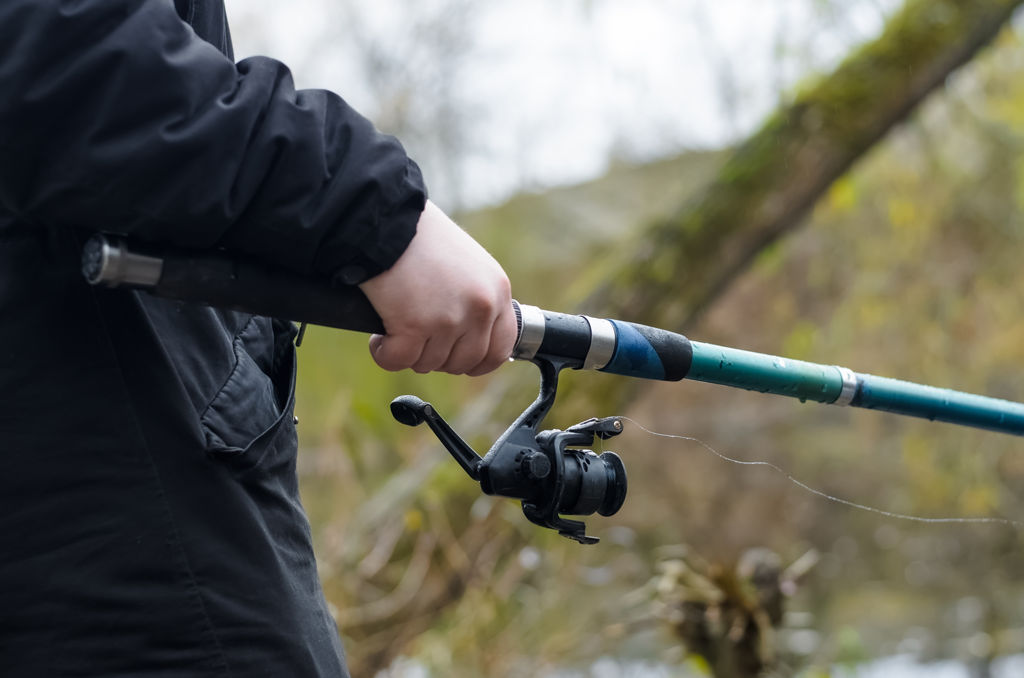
(115, 116)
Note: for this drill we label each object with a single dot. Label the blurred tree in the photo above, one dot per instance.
(412, 66)
(778, 174)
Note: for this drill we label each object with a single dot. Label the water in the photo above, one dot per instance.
(898, 666)
(906, 666)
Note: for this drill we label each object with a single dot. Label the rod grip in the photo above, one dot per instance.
(649, 353)
(246, 285)
(230, 282)
(233, 282)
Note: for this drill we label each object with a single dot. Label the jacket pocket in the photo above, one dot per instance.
(249, 422)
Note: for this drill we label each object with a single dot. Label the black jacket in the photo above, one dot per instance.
(149, 510)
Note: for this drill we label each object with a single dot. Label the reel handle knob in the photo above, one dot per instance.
(412, 411)
(409, 410)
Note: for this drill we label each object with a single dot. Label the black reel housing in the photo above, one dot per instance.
(538, 467)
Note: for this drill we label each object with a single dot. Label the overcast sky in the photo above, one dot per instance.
(545, 92)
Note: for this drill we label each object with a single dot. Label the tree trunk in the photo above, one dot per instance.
(777, 175)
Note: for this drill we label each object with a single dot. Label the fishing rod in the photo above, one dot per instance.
(550, 472)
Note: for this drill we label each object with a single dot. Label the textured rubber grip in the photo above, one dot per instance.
(566, 337)
(649, 353)
(214, 279)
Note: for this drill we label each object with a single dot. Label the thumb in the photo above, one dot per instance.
(394, 353)
(375, 343)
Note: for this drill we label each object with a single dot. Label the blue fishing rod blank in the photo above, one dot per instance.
(633, 350)
(840, 386)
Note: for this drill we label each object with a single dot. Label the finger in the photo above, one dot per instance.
(443, 331)
(469, 350)
(395, 352)
(502, 341)
(375, 341)
(435, 353)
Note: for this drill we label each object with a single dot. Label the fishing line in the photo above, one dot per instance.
(900, 516)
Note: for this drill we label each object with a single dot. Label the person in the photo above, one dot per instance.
(149, 504)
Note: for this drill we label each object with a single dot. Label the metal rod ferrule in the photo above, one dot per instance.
(532, 334)
(602, 343)
(849, 391)
(110, 263)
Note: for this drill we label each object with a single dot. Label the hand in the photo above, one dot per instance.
(446, 304)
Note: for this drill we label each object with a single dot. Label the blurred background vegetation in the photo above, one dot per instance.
(903, 262)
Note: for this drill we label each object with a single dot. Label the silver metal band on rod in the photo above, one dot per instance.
(849, 387)
(532, 335)
(111, 264)
(602, 343)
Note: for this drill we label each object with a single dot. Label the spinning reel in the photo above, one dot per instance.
(545, 470)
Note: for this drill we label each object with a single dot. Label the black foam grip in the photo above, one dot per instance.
(566, 337)
(217, 280)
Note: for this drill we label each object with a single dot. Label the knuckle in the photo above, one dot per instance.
(480, 303)
(446, 322)
(504, 286)
(417, 329)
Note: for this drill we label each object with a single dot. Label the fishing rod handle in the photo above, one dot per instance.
(216, 279)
